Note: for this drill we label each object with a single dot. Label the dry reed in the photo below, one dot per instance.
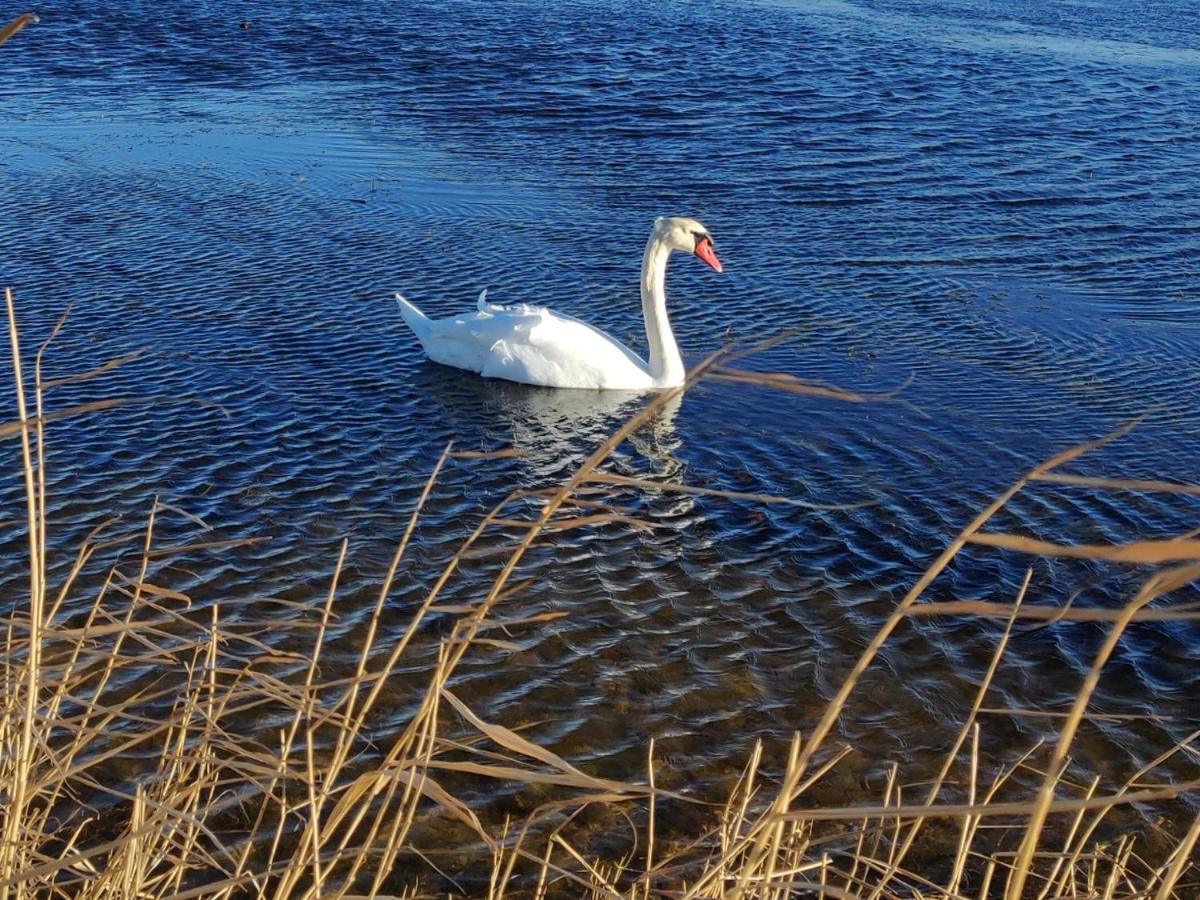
(318, 809)
(16, 24)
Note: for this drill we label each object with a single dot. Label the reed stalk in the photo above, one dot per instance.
(323, 808)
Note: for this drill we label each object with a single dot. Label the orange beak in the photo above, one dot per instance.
(705, 251)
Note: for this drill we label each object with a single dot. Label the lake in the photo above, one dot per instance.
(991, 209)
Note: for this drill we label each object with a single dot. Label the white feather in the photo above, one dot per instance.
(534, 345)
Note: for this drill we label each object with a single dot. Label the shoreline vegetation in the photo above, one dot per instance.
(121, 787)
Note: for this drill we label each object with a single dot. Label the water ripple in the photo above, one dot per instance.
(1001, 211)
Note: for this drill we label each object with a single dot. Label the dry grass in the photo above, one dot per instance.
(157, 791)
(16, 24)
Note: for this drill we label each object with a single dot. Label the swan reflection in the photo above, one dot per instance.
(555, 429)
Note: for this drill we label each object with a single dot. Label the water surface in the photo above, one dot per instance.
(1000, 211)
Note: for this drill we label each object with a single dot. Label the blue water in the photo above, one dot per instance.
(996, 205)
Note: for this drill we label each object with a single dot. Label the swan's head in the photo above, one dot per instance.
(687, 236)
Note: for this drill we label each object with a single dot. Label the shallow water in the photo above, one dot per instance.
(1001, 212)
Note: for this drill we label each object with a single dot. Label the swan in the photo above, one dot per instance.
(534, 345)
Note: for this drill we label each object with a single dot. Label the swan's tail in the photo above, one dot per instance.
(413, 317)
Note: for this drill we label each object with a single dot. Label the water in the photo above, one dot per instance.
(999, 206)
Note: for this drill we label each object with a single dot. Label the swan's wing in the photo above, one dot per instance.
(551, 349)
(534, 345)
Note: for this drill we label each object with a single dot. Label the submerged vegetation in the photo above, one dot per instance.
(115, 786)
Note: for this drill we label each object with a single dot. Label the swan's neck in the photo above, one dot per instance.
(666, 365)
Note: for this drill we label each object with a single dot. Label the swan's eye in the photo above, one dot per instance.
(701, 238)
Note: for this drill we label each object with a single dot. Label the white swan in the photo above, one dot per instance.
(534, 345)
